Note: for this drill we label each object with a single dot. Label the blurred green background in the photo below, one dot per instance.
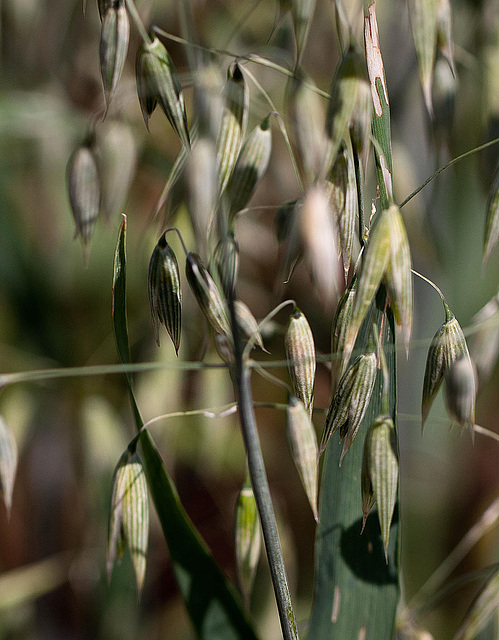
(55, 313)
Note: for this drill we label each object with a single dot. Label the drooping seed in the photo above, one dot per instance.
(350, 107)
(303, 444)
(248, 324)
(307, 116)
(158, 83)
(233, 125)
(84, 193)
(165, 295)
(447, 346)
(350, 402)
(300, 353)
(423, 15)
(115, 34)
(129, 516)
(491, 233)
(484, 342)
(248, 539)
(339, 327)
(460, 392)
(251, 165)
(302, 12)
(208, 100)
(207, 295)
(341, 188)
(381, 468)
(387, 255)
(226, 261)
(8, 463)
(118, 151)
(201, 187)
(318, 239)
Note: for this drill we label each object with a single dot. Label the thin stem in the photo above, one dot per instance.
(132, 10)
(416, 273)
(179, 237)
(477, 531)
(446, 166)
(267, 318)
(274, 379)
(261, 490)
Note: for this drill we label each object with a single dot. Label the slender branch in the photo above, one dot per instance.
(241, 377)
(446, 166)
(132, 10)
(271, 378)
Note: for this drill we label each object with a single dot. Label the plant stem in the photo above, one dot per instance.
(260, 484)
(446, 166)
(132, 9)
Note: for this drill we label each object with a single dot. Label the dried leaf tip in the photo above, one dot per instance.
(380, 475)
(300, 353)
(303, 444)
(165, 295)
(129, 516)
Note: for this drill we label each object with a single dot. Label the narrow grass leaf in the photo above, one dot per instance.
(248, 539)
(300, 353)
(8, 463)
(251, 165)
(382, 469)
(211, 601)
(381, 118)
(303, 444)
(129, 516)
(84, 193)
(233, 125)
(423, 14)
(207, 294)
(491, 233)
(115, 34)
(482, 611)
(165, 295)
(158, 83)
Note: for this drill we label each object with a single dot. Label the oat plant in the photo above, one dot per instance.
(344, 232)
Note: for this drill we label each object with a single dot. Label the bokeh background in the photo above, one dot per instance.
(55, 313)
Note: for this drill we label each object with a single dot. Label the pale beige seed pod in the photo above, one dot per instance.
(484, 342)
(248, 324)
(202, 185)
(423, 15)
(381, 468)
(300, 353)
(318, 238)
(115, 34)
(303, 444)
(8, 463)
(248, 539)
(251, 165)
(460, 392)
